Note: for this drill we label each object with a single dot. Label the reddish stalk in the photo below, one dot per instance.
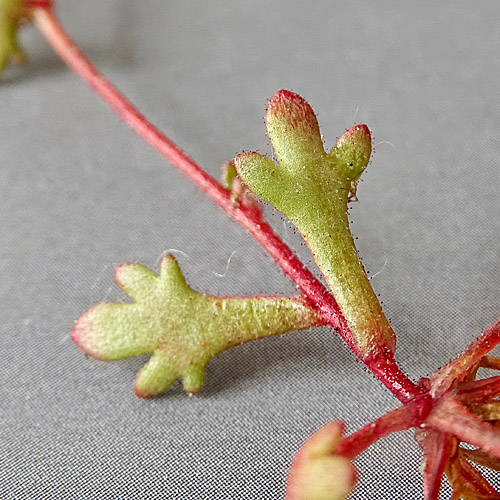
(44, 4)
(381, 364)
(401, 419)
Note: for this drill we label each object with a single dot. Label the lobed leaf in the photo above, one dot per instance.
(312, 188)
(183, 329)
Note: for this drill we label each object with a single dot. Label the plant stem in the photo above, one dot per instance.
(44, 4)
(381, 364)
(403, 418)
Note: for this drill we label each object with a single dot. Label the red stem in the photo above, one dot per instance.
(401, 419)
(44, 4)
(437, 449)
(385, 369)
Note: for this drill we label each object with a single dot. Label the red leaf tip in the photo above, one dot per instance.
(292, 108)
(82, 334)
(358, 132)
(318, 473)
(119, 273)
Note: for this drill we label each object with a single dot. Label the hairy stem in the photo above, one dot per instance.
(382, 364)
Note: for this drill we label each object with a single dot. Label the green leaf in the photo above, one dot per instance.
(183, 329)
(352, 152)
(12, 12)
(229, 173)
(269, 179)
(312, 188)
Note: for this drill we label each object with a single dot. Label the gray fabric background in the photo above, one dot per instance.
(80, 193)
